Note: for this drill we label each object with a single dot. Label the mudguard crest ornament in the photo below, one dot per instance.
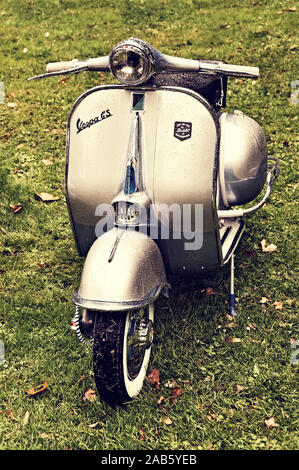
(182, 130)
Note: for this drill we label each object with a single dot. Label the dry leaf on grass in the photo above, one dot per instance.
(46, 197)
(94, 425)
(12, 105)
(264, 300)
(233, 340)
(167, 421)
(8, 413)
(211, 416)
(232, 325)
(16, 208)
(32, 392)
(270, 423)
(143, 435)
(154, 378)
(210, 291)
(239, 388)
(44, 435)
(269, 248)
(176, 394)
(160, 400)
(90, 395)
(26, 418)
(83, 377)
(47, 162)
(278, 305)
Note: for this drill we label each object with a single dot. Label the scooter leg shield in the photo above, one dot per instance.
(123, 270)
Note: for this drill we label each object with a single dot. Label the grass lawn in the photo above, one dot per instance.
(229, 389)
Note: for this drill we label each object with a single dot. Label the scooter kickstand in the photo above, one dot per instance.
(232, 309)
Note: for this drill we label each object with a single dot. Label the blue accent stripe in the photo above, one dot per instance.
(130, 181)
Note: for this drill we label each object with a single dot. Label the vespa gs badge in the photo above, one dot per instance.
(81, 126)
(182, 130)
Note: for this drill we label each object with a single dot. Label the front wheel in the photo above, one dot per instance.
(121, 352)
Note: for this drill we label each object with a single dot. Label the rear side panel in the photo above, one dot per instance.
(178, 164)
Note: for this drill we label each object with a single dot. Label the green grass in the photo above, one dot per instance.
(40, 268)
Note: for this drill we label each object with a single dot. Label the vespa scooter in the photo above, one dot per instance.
(154, 168)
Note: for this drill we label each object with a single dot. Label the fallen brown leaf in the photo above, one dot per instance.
(233, 340)
(83, 377)
(252, 326)
(160, 400)
(16, 208)
(239, 388)
(8, 413)
(143, 435)
(278, 305)
(232, 325)
(46, 197)
(154, 378)
(270, 423)
(167, 421)
(26, 418)
(47, 162)
(90, 395)
(211, 416)
(32, 392)
(94, 425)
(176, 394)
(264, 300)
(268, 249)
(44, 435)
(210, 291)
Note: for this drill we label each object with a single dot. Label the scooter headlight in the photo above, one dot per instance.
(130, 63)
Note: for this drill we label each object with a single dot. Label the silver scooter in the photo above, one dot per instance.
(153, 169)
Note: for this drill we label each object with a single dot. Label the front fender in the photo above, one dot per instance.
(123, 269)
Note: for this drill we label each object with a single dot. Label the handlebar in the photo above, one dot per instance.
(160, 63)
(100, 64)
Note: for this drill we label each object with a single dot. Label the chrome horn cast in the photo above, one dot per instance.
(139, 339)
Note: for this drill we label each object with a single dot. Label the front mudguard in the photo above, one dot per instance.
(123, 270)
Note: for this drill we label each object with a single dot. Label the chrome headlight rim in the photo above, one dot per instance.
(140, 49)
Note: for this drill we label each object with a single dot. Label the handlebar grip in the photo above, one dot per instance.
(231, 70)
(241, 70)
(58, 66)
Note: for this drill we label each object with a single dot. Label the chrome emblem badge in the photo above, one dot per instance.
(182, 130)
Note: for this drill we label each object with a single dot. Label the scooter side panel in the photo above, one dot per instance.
(184, 176)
